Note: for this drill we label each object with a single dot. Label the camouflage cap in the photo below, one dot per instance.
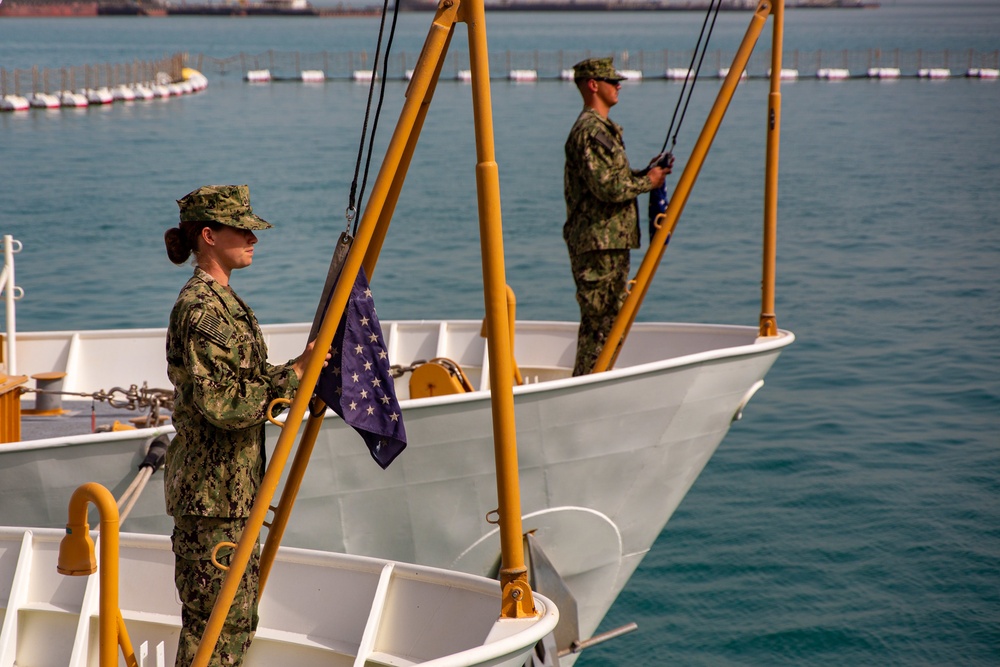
(225, 204)
(596, 68)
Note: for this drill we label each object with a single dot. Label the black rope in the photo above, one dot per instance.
(355, 197)
(378, 107)
(699, 53)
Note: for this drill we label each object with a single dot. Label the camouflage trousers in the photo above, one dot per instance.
(601, 277)
(198, 584)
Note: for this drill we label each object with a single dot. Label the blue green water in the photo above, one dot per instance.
(851, 518)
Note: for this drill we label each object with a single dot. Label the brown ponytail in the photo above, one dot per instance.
(182, 241)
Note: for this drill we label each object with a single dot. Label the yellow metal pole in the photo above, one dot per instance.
(283, 510)
(518, 601)
(768, 319)
(338, 301)
(76, 558)
(685, 183)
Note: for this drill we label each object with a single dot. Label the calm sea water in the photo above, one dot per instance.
(851, 518)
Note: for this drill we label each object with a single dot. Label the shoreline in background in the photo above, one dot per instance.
(302, 8)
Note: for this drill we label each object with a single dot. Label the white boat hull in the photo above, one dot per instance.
(604, 459)
(318, 609)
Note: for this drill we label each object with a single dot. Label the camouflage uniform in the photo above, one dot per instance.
(217, 362)
(602, 219)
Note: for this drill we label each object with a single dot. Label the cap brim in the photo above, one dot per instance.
(250, 221)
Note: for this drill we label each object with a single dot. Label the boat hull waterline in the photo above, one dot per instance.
(604, 459)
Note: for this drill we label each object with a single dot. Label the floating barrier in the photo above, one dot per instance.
(566, 75)
(464, 75)
(523, 75)
(313, 76)
(101, 85)
(631, 74)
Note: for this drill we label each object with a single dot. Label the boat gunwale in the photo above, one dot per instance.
(758, 346)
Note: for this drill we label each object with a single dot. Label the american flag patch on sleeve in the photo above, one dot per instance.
(214, 328)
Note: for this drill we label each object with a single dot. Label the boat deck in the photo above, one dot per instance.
(76, 419)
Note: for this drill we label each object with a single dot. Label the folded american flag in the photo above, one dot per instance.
(357, 382)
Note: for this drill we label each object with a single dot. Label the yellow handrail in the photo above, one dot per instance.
(76, 558)
(666, 222)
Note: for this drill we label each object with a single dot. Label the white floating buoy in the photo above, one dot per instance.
(70, 99)
(197, 80)
(363, 75)
(123, 93)
(678, 73)
(883, 73)
(833, 73)
(566, 75)
(143, 92)
(522, 75)
(409, 74)
(786, 74)
(313, 76)
(258, 76)
(159, 90)
(631, 74)
(724, 72)
(934, 73)
(983, 73)
(44, 101)
(14, 103)
(464, 75)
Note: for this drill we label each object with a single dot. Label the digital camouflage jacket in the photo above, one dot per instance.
(217, 362)
(600, 187)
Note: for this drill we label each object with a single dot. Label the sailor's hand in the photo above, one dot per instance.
(299, 365)
(664, 161)
(657, 175)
